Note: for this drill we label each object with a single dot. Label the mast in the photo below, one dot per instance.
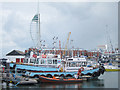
(109, 43)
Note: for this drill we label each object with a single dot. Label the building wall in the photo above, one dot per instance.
(76, 52)
(13, 58)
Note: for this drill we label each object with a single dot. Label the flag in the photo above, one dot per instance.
(35, 56)
(44, 56)
(35, 18)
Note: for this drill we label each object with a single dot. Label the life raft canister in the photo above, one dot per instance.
(3, 69)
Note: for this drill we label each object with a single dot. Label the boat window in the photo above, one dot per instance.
(32, 60)
(49, 61)
(67, 64)
(54, 61)
(70, 59)
(42, 61)
(37, 61)
(72, 64)
(77, 64)
(25, 60)
(83, 64)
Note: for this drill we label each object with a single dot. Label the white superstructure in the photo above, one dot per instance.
(73, 64)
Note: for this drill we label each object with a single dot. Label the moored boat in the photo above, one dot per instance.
(59, 80)
(111, 67)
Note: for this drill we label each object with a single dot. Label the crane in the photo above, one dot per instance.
(67, 42)
(60, 48)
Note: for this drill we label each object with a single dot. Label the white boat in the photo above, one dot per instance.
(44, 60)
(110, 67)
(73, 64)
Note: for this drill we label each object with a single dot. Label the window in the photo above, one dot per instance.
(32, 60)
(37, 61)
(67, 64)
(42, 61)
(17, 60)
(49, 61)
(54, 61)
(83, 63)
(72, 64)
(22, 60)
(25, 60)
(77, 64)
(70, 59)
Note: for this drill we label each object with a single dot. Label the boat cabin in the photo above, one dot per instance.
(44, 61)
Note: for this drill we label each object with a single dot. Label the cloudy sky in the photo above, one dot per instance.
(85, 20)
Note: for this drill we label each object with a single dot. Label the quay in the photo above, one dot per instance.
(17, 80)
(8, 77)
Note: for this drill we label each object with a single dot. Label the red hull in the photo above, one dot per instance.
(52, 80)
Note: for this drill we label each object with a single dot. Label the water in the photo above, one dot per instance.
(107, 80)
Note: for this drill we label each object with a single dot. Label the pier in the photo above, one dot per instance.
(17, 80)
(8, 77)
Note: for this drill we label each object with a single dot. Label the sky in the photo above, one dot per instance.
(85, 20)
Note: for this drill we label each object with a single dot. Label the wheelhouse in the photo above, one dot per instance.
(73, 64)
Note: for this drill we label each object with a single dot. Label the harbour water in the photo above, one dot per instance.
(107, 80)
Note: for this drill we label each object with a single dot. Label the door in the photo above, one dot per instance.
(17, 60)
(22, 60)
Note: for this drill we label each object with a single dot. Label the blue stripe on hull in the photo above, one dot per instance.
(59, 73)
(35, 68)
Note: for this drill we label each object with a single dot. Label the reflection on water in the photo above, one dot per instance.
(97, 83)
(108, 80)
(50, 85)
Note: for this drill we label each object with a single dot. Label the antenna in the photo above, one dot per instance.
(109, 40)
(38, 7)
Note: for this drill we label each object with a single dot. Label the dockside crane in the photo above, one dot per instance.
(67, 43)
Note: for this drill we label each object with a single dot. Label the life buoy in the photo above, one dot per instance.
(80, 70)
